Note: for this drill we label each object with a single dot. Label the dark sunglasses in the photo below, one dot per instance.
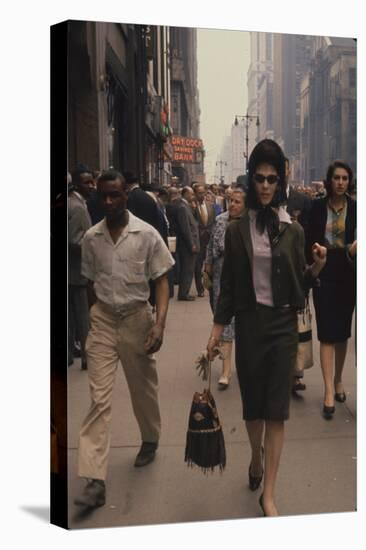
(272, 179)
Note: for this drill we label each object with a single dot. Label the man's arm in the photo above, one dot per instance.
(155, 337)
(92, 297)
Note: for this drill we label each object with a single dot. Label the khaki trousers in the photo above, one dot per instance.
(112, 338)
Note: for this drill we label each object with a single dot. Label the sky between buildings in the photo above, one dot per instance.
(223, 59)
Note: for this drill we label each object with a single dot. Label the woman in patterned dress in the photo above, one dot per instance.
(332, 223)
(213, 266)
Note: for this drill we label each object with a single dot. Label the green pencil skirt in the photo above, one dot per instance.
(265, 354)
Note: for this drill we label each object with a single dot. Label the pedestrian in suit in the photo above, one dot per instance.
(156, 192)
(142, 205)
(263, 283)
(78, 223)
(188, 243)
(171, 208)
(205, 215)
(332, 223)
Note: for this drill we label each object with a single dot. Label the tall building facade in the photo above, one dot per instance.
(231, 162)
(118, 98)
(260, 88)
(185, 111)
(303, 89)
(291, 62)
(328, 107)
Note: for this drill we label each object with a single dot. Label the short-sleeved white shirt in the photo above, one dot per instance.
(121, 270)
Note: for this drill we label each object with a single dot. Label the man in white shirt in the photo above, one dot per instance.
(119, 256)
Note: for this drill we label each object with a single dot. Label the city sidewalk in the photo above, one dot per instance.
(318, 467)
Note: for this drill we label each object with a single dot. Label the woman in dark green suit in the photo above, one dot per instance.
(263, 284)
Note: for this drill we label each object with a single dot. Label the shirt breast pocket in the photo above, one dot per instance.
(134, 272)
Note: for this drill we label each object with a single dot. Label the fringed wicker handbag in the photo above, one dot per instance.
(205, 445)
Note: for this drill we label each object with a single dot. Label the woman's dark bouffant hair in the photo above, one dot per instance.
(266, 151)
(331, 169)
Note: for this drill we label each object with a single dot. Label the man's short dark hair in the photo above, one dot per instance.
(163, 192)
(130, 178)
(80, 169)
(111, 175)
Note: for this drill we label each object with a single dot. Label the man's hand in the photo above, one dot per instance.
(154, 339)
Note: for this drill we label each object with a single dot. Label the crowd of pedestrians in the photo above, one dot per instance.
(255, 253)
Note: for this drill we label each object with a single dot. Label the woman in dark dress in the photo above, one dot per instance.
(332, 223)
(263, 284)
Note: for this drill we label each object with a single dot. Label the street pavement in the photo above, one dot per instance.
(318, 465)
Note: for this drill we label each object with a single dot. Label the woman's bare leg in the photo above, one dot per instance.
(255, 433)
(273, 444)
(340, 357)
(326, 361)
(226, 347)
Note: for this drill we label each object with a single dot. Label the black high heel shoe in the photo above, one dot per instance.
(328, 412)
(340, 397)
(254, 482)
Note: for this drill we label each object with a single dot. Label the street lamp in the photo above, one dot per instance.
(248, 119)
(221, 163)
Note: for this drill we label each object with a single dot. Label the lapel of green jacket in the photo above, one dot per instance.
(246, 238)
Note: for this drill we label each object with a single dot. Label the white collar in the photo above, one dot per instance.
(134, 225)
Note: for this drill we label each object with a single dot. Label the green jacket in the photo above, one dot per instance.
(290, 278)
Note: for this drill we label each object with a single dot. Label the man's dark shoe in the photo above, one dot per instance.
(146, 454)
(84, 365)
(93, 494)
(188, 298)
